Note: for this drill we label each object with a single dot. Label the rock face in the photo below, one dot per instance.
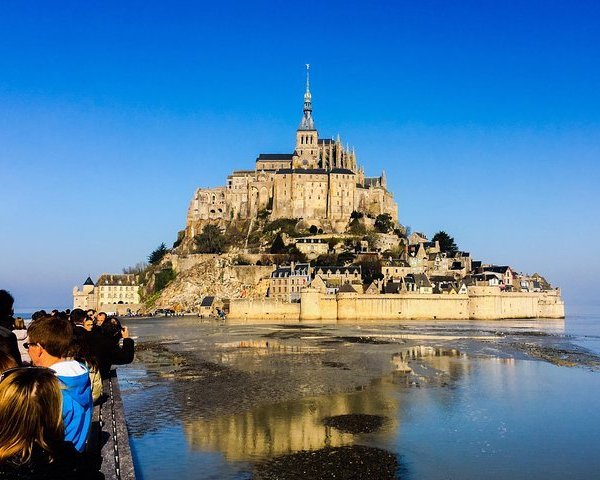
(213, 276)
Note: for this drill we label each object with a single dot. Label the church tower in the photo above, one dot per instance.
(307, 148)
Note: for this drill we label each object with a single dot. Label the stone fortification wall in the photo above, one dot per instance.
(481, 303)
(263, 309)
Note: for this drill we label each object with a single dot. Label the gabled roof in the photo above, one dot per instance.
(421, 280)
(347, 288)
(392, 287)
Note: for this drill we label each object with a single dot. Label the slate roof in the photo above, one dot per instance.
(207, 301)
(124, 279)
(441, 279)
(335, 269)
(88, 281)
(347, 288)
(392, 287)
(372, 181)
(326, 141)
(421, 279)
(275, 156)
(496, 269)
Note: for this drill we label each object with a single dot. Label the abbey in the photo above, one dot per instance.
(319, 181)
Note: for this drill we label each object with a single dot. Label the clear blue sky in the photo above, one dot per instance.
(484, 114)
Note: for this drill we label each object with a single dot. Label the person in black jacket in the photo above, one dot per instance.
(103, 345)
(8, 340)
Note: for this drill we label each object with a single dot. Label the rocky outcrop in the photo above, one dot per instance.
(213, 276)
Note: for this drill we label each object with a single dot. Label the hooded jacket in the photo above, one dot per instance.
(77, 404)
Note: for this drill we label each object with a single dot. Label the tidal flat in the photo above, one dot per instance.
(421, 400)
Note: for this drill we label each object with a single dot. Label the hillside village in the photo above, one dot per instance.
(310, 222)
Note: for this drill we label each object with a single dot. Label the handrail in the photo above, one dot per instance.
(109, 437)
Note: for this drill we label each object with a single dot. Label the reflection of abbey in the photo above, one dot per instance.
(320, 181)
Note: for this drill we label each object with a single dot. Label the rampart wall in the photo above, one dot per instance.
(480, 303)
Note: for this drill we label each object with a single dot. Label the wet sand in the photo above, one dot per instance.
(325, 381)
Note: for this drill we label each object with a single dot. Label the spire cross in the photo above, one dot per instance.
(307, 77)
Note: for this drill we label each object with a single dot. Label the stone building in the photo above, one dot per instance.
(110, 293)
(320, 180)
(286, 282)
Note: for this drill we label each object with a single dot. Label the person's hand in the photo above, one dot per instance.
(125, 332)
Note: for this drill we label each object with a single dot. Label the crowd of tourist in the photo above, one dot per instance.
(50, 378)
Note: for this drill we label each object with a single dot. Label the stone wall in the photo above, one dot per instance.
(263, 309)
(481, 303)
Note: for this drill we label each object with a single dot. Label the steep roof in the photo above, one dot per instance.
(335, 269)
(207, 301)
(275, 156)
(392, 287)
(124, 279)
(347, 288)
(496, 269)
(88, 281)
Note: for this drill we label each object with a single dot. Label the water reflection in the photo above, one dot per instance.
(274, 430)
(287, 427)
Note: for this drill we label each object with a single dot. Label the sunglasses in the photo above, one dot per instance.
(6, 373)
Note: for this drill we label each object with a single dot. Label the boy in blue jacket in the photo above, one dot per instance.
(50, 345)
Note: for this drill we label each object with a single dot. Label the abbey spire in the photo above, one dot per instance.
(307, 122)
(306, 154)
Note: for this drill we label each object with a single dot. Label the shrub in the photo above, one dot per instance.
(211, 240)
(163, 278)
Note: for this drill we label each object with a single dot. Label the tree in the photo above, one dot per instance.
(136, 269)
(384, 223)
(447, 243)
(326, 259)
(356, 227)
(278, 245)
(157, 255)
(211, 240)
(370, 269)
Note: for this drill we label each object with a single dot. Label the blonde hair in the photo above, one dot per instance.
(30, 413)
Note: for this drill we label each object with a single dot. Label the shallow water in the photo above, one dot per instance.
(456, 399)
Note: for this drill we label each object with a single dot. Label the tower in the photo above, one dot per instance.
(307, 148)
